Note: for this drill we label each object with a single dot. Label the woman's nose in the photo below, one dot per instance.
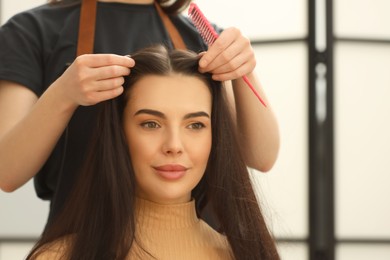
(173, 143)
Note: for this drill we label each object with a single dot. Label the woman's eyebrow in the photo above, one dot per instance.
(196, 114)
(150, 112)
(162, 115)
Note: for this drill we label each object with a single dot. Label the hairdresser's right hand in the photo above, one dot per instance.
(93, 78)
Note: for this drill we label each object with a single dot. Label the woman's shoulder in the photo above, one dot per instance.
(217, 243)
(213, 236)
(55, 250)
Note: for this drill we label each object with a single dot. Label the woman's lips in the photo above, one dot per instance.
(171, 171)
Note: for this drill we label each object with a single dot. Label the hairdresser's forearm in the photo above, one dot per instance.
(27, 145)
(257, 125)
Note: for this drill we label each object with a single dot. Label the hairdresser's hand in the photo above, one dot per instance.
(93, 78)
(230, 57)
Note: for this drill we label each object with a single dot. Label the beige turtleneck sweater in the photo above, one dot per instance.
(167, 232)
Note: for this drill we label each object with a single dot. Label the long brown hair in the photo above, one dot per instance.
(168, 6)
(99, 215)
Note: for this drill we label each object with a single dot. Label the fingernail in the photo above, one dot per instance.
(202, 63)
(201, 54)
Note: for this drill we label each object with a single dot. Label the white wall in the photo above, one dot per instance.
(362, 127)
(10, 7)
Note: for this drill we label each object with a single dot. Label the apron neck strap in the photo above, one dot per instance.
(87, 22)
(86, 35)
(174, 34)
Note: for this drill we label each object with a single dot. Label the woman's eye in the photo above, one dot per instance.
(150, 125)
(196, 126)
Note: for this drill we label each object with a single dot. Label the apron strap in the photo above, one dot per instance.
(174, 34)
(87, 24)
(86, 35)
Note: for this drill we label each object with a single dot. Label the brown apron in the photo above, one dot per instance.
(86, 34)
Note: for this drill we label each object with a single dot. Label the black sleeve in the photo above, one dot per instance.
(21, 52)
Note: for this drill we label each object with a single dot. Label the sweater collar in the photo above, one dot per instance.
(152, 215)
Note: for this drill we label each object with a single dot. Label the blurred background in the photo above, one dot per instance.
(325, 66)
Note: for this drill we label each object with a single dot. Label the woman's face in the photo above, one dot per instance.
(167, 123)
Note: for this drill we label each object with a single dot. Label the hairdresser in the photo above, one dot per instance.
(50, 84)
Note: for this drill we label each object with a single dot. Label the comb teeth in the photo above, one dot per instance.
(201, 23)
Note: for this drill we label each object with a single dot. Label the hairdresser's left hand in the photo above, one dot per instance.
(230, 57)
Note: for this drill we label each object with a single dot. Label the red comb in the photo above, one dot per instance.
(209, 35)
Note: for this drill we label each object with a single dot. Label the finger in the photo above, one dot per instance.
(108, 72)
(200, 54)
(234, 63)
(107, 94)
(98, 96)
(240, 49)
(109, 84)
(101, 60)
(235, 74)
(223, 58)
(226, 38)
(110, 94)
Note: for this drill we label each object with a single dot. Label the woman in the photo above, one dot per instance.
(47, 95)
(162, 153)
